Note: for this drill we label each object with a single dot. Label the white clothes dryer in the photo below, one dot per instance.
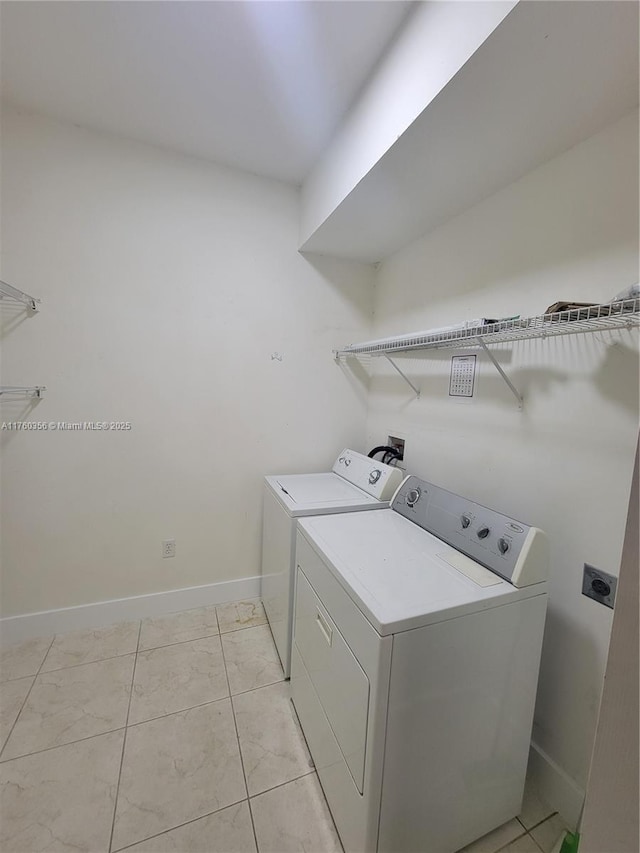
(355, 483)
(416, 648)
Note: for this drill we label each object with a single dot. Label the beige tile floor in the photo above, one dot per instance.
(172, 735)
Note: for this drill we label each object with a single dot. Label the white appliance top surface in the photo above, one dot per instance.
(305, 494)
(398, 574)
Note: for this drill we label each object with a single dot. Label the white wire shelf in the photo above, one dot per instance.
(596, 318)
(22, 391)
(615, 315)
(8, 291)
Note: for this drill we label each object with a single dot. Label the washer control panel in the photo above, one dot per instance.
(515, 551)
(374, 477)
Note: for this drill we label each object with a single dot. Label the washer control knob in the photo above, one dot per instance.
(483, 532)
(465, 521)
(375, 475)
(413, 497)
(503, 545)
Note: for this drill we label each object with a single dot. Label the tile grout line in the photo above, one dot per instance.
(178, 643)
(203, 637)
(524, 833)
(50, 672)
(505, 846)
(539, 823)
(178, 711)
(26, 697)
(140, 723)
(311, 772)
(82, 663)
(202, 704)
(229, 697)
(262, 686)
(135, 725)
(124, 740)
(127, 724)
(235, 726)
(250, 799)
(178, 826)
(61, 745)
(535, 842)
(123, 654)
(19, 678)
(87, 662)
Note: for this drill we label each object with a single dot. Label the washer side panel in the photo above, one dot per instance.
(278, 543)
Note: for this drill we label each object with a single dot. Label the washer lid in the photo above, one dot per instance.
(401, 576)
(306, 494)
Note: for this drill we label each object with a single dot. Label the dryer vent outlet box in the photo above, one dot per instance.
(398, 443)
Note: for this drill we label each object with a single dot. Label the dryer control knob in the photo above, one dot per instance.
(503, 545)
(483, 532)
(375, 475)
(465, 521)
(413, 497)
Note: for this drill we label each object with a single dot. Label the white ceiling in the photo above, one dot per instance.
(259, 85)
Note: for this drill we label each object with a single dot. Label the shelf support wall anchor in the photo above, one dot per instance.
(8, 291)
(512, 387)
(35, 391)
(406, 378)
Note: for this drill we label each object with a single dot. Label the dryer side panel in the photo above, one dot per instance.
(460, 712)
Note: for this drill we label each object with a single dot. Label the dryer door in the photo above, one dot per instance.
(340, 682)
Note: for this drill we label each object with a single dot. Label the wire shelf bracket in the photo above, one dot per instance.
(496, 364)
(34, 391)
(404, 376)
(8, 291)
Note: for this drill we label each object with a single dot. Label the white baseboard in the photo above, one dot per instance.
(556, 786)
(15, 629)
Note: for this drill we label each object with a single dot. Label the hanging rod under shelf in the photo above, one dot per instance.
(22, 390)
(8, 291)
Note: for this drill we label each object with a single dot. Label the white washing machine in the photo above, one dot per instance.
(416, 648)
(356, 483)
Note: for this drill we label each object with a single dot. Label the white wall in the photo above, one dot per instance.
(568, 230)
(167, 284)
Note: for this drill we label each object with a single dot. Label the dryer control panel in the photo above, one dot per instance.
(515, 551)
(373, 477)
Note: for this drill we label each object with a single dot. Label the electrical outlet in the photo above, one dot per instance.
(169, 548)
(599, 585)
(398, 443)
